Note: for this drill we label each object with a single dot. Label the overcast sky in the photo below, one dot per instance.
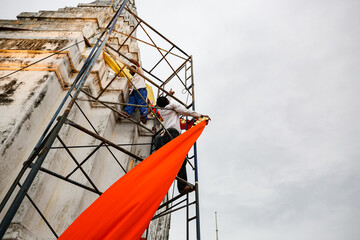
(280, 80)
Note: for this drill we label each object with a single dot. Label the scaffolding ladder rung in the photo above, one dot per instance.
(189, 87)
(190, 219)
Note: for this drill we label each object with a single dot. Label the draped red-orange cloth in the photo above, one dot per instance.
(125, 209)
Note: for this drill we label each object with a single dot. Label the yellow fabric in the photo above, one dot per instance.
(150, 94)
(116, 66)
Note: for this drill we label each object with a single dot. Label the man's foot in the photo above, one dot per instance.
(143, 119)
(186, 190)
(125, 114)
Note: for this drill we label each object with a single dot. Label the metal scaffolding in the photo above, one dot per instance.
(181, 74)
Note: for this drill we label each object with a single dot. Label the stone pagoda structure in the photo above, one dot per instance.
(30, 96)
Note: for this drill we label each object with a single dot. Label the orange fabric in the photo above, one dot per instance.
(126, 208)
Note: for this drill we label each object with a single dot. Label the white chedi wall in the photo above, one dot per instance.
(28, 100)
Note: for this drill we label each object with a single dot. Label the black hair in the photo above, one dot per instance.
(162, 101)
(132, 71)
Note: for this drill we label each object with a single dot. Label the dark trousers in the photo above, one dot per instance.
(135, 98)
(161, 141)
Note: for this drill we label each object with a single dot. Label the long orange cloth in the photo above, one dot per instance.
(125, 209)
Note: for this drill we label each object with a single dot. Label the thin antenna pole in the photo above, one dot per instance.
(217, 231)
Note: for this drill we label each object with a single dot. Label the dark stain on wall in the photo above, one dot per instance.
(39, 83)
(7, 91)
(33, 44)
(40, 98)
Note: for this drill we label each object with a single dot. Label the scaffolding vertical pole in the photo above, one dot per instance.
(197, 204)
(187, 216)
(30, 178)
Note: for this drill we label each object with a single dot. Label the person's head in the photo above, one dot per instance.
(162, 101)
(131, 70)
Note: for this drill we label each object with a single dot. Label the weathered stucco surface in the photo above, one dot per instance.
(29, 98)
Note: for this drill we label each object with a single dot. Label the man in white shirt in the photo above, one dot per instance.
(134, 98)
(170, 112)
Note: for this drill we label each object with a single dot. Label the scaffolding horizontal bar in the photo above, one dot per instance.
(71, 123)
(94, 146)
(168, 212)
(68, 180)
